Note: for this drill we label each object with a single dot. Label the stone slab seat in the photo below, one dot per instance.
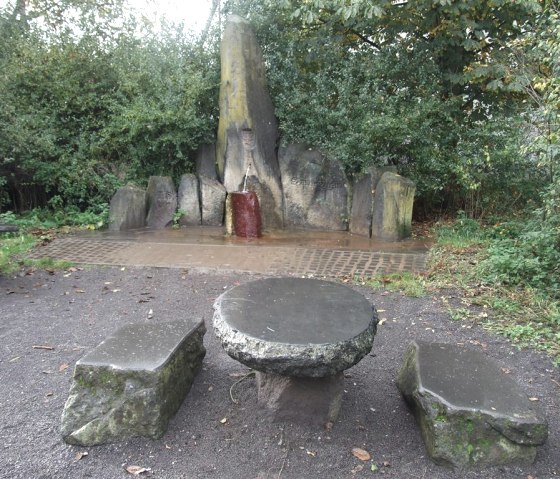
(133, 383)
(471, 414)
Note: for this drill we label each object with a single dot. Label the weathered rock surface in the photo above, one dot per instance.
(363, 191)
(133, 382)
(188, 200)
(470, 413)
(162, 202)
(392, 207)
(212, 197)
(128, 209)
(247, 130)
(310, 401)
(206, 161)
(315, 189)
(294, 326)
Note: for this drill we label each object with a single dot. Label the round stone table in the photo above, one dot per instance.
(299, 335)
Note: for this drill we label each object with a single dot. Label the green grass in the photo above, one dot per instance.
(12, 246)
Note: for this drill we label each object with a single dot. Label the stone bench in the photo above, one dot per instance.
(133, 383)
(471, 414)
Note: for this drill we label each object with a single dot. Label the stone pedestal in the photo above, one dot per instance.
(188, 199)
(300, 334)
(311, 401)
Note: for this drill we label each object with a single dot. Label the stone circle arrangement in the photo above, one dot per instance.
(298, 187)
(299, 335)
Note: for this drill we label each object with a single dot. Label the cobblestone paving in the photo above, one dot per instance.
(284, 260)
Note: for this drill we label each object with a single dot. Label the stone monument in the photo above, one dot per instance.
(247, 130)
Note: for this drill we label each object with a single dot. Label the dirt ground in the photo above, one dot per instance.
(48, 321)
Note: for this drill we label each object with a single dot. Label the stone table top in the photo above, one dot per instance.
(294, 326)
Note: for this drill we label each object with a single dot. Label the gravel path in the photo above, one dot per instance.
(211, 436)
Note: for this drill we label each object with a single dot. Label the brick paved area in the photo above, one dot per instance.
(281, 256)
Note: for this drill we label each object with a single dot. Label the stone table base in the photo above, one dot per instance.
(310, 401)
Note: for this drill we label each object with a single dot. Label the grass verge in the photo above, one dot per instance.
(527, 316)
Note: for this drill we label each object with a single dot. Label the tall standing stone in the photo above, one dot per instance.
(162, 202)
(315, 189)
(247, 130)
(392, 209)
(127, 209)
(363, 190)
(188, 200)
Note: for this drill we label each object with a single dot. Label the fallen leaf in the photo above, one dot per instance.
(81, 455)
(136, 470)
(80, 291)
(361, 454)
(386, 464)
(49, 394)
(533, 399)
(506, 370)
(374, 468)
(108, 282)
(116, 290)
(310, 453)
(211, 388)
(63, 367)
(150, 314)
(381, 310)
(382, 321)
(224, 420)
(39, 346)
(167, 447)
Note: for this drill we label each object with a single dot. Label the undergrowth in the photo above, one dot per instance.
(509, 271)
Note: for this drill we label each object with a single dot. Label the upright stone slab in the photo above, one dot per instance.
(162, 202)
(470, 413)
(213, 198)
(363, 190)
(188, 200)
(206, 161)
(127, 209)
(315, 189)
(133, 382)
(392, 208)
(247, 130)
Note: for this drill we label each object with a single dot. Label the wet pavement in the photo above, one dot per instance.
(301, 253)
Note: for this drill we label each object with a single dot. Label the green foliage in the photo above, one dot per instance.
(83, 114)
(419, 86)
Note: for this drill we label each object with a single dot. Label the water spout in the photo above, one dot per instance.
(245, 180)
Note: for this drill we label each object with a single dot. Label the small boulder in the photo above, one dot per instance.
(128, 209)
(392, 208)
(162, 202)
(188, 200)
(213, 198)
(471, 414)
